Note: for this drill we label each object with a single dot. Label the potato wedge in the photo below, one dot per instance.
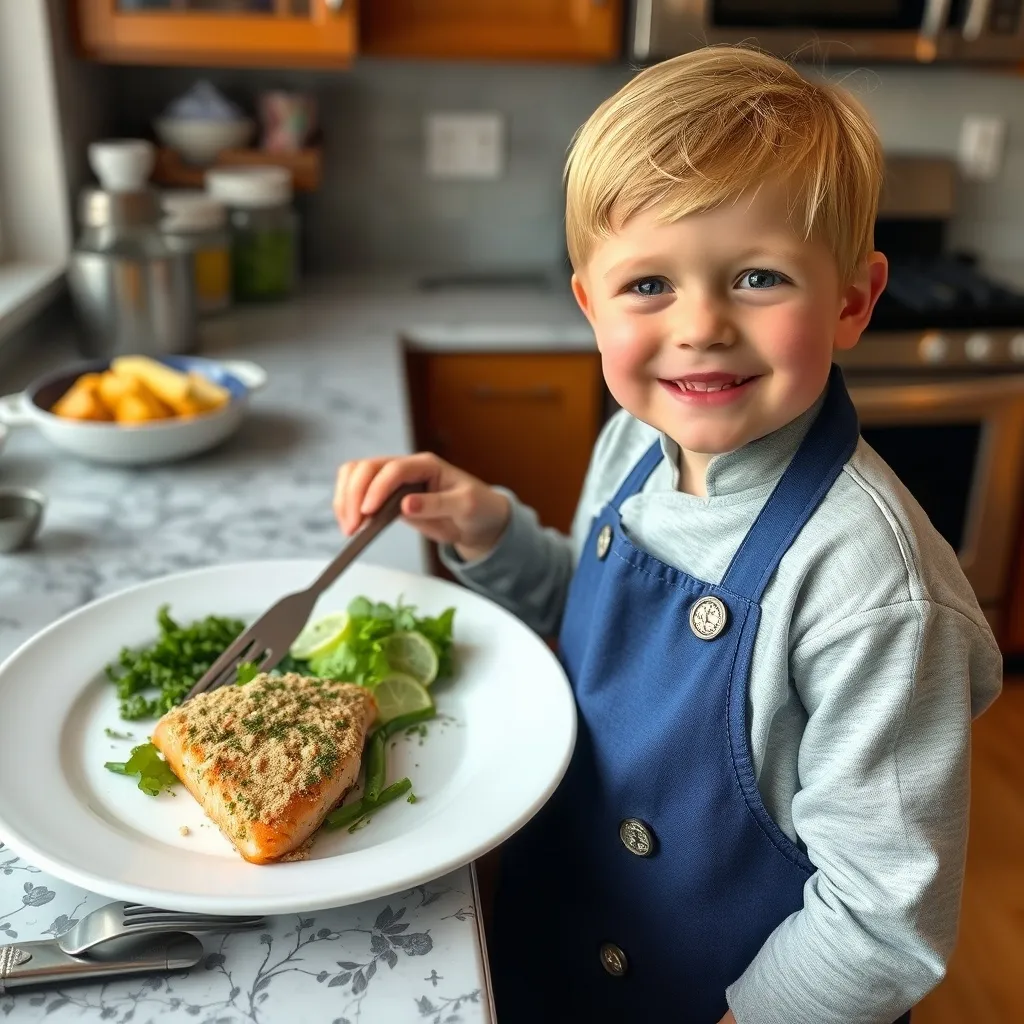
(170, 386)
(206, 392)
(81, 401)
(113, 386)
(140, 407)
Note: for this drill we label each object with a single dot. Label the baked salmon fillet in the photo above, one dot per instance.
(267, 761)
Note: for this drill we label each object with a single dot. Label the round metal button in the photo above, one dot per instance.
(636, 837)
(604, 541)
(613, 960)
(708, 617)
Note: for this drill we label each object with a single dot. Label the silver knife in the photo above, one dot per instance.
(44, 962)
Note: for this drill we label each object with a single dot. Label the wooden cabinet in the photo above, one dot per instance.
(525, 421)
(499, 29)
(254, 33)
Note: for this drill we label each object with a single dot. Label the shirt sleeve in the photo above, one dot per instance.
(530, 569)
(882, 809)
(528, 572)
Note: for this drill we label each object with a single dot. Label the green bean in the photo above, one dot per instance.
(405, 721)
(353, 812)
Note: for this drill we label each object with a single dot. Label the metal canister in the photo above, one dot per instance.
(131, 291)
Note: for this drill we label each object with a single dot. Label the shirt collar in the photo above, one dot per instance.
(756, 465)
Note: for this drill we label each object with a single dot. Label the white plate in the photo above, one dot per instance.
(480, 773)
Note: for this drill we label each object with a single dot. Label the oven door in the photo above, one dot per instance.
(837, 30)
(958, 446)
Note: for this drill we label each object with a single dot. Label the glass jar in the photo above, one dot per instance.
(197, 224)
(264, 229)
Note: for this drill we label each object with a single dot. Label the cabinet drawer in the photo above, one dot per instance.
(526, 421)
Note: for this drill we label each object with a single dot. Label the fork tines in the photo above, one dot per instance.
(247, 647)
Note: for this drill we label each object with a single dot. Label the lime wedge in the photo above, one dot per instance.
(321, 636)
(399, 694)
(413, 655)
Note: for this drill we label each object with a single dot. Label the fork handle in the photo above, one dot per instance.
(386, 514)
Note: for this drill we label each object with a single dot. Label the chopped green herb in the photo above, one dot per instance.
(117, 735)
(145, 761)
(247, 672)
(171, 666)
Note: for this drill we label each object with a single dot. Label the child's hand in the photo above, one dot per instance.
(457, 508)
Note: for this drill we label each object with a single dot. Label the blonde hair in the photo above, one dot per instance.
(702, 129)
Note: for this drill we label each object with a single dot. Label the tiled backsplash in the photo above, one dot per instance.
(378, 210)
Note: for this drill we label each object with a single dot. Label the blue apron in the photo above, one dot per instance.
(653, 876)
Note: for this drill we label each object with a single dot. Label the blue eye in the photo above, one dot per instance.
(648, 287)
(761, 279)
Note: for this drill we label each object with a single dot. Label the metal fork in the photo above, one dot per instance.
(129, 920)
(267, 640)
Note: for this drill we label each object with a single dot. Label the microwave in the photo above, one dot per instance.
(834, 31)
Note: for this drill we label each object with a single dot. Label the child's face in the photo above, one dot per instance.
(719, 328)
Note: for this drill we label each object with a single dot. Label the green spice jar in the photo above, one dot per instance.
(264, 229)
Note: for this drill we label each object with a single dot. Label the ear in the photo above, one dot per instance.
(859, 298)
(580, 292)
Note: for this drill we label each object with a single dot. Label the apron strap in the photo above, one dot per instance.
(818, 461)
(638, 475)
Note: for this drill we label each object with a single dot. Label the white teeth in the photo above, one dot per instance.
(698, 385)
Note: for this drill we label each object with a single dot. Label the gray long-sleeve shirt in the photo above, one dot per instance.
(871, 658)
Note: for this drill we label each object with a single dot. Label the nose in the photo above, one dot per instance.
(701, 322)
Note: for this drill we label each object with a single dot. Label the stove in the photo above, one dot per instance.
(938, 381)
(939, 315)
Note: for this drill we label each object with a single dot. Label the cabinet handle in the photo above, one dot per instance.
(976, 19)
(933, 24)
(537, 393)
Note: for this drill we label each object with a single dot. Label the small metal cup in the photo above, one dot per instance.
(21, 512)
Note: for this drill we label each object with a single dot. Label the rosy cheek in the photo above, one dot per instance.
(626, 340)
(789, 335)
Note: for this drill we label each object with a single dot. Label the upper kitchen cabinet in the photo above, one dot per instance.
(253, 33)
(583, 30)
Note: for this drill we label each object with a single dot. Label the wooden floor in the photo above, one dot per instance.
(985, 983)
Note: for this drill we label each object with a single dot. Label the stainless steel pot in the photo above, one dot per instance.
(132, 293)
(138, 305)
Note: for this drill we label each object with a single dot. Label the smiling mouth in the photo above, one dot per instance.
(709, 385)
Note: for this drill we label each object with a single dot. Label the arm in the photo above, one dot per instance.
(882, 809)
(530, 569)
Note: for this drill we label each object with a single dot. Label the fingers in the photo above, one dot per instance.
(444, 504)
(363, 485)
(422, 468)
(350, 489)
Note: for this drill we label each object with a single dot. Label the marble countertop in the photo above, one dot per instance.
(336, 391)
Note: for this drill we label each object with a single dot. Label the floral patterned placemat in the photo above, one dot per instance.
(416, 956)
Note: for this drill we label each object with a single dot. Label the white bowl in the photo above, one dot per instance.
(201, 141)
(137, 444)
(122, 165)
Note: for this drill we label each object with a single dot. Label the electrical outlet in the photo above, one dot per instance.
(464, 145)
(981, 146)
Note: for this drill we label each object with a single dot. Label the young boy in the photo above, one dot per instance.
(775, 656)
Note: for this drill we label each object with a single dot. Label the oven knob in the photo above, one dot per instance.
(934, 347)
(1017, 347)
(978, 347)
